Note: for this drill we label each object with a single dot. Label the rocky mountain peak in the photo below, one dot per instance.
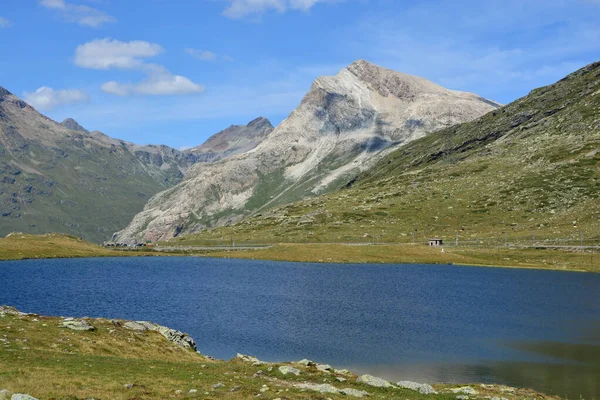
(70, 123)
(259, 123)
(4, 92)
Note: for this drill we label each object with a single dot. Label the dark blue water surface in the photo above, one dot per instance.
(421, 322)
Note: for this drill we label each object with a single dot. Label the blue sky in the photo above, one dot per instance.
(175, 71)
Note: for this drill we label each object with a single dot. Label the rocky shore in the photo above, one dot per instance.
(59, 357)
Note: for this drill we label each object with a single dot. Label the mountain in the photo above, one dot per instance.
(234, 140)
(527, 172)
(61, 178)
(343, 124)
(70, 123)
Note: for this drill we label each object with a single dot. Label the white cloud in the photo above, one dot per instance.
(207, 55)
(46, 98)
(161, 85)
(114, 54)
(204, 55)
(159, 82)
(107, 53)
(242, 8)
(80, 14)
(5, 23)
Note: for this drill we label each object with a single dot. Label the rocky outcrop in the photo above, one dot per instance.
(172, 335)
(344, 124)
(236, 139)
(76, 324)
(422, 388)
(374, 381)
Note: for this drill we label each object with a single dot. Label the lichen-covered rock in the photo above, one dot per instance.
(422, 388)
(321, 388)
(180, 338)
(374, 381)
(324, 367)
(354, 392)
(135, 326)
(4, 394)
(284, 369)
(76, 324)
(465, 390)
(251, 359)
(19, 396)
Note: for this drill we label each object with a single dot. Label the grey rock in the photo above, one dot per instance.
(235, 389)
(4, 394)
(192, 391)
(374, 381)
(324, 367)
(135, 326)
(19, 396)
(354, 392)
(217, 385)
(284, 369)
(180, 338)
(465, 390)
(340, 379)
(422, 388)
(76, 325)
(462, 397)
(306, 362)
(321, 388)
(498, 398)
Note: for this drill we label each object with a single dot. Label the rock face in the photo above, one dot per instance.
(234, 140)
(61, 178)
(344, 124)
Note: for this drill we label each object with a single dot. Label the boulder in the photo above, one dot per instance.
(135, 326)
(306, 362)
(284, 369)
(76, 324)
(177, 337)
(19, 396)
(354, 392)
(374, 381)
(4, 394)
(465, 390)
(422, 388)
(324, 367)
(321, 388)
(250, 359)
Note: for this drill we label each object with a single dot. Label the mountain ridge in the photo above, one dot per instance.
(342, 125)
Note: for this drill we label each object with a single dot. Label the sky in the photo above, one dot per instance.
(177, 71)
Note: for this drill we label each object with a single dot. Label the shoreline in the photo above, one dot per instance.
(144, 347)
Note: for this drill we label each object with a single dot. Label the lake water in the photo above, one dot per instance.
(432, 323)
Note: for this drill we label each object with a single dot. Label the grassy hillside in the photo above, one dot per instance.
(46, 361)
(527, 174)
(19, 246)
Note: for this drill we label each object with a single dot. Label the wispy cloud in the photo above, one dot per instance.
(114, 54)
(5, 23)
(242, 8)
(207, 55)
(46, 98)
(79, 14)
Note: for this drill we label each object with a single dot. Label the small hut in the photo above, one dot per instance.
(436, 242)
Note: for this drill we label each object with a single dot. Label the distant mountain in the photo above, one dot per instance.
(234, 140)
(70, 123)
(342, 126)
(529, 171)
(62, 178)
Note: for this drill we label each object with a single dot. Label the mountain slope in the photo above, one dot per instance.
(529, 171)
(57, 179)
(343, 124)
(234, 140)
